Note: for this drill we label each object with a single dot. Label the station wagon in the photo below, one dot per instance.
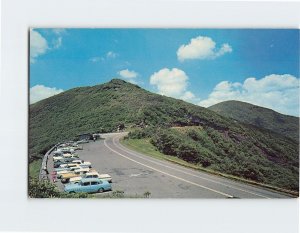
(89, 185)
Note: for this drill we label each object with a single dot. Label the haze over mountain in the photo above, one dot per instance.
(260, 117)
(224, 144)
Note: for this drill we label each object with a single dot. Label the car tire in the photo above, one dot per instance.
(101, 190)
(72, 192)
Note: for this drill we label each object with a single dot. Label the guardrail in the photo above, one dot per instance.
(43, 171)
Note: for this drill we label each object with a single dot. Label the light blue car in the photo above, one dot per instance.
(88, 185)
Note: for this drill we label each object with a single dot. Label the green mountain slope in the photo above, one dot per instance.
(260, 117)
(102, 108)
(220, 140)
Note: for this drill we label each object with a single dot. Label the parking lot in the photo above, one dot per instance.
(71, 173)
(136, 174)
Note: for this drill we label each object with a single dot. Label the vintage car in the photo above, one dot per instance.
(81, 171)
(92, 174)
(60, 173)
(59, 164)
(82, 163)
(69, 165)
(57, 153)
(79, 177)
(64, 161)
(75, 179)
(105, 177)
(57, 158)
(88, 185)
(62, 170)
(65, 177)
(69, 155)
(67, 170)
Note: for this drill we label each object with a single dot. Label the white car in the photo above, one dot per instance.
(91, 174)
(82, 163)
(56, 158)
(68, 170)
(70, 156)
(75, 180)
(70, 165)
(81, 171)
(97, 175)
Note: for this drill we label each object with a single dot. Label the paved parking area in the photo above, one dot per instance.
(135, 174)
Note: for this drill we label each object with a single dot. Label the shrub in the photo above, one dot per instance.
(45, 189)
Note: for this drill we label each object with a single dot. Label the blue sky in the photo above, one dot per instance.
(203, 67)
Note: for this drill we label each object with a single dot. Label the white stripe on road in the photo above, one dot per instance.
(187, 173)
(165, 173)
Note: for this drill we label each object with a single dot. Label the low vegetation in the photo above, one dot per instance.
(257, 156)
(45, 189)
(34, 168)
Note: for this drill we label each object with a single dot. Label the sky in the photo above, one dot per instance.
(200, 66)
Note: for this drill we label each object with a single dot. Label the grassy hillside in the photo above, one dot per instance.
(217, 142)
(102, 108)
(260, 117)
(256, 155)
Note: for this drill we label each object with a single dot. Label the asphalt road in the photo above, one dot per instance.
(135, 173)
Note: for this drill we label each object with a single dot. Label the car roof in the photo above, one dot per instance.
(104, 175)
(82, 170)
(89, 179)
(92, 173)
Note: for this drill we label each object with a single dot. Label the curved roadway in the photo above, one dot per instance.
(135, 174)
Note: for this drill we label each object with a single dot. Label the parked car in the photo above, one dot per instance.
(82, 163)
(78, 178)
(62, 169)
(57, 153)
(59, 164)
(105, 177)
(57, 158)
(75, 179)
(60, 173)
(66, 177)
(92, 174)
(89, 185)
(67, 170)
(69, 165)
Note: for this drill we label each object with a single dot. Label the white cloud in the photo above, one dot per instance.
(57, 43)
(111, 54)
(39, 92)
(278, 92)
(172, 83)
(202, 48)
(128, 74)
(38, 45)
(188, 96)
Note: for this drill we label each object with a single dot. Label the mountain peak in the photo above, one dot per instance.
(118, 81)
